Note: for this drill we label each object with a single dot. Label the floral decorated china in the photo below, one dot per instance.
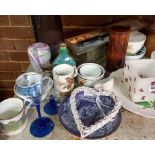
(145, 109)
(139, 79)
(88, 82)
(63, 77)
(92, 112)
(136, 42)
(13, 116)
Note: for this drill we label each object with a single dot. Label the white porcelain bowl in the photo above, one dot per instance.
(89, 73)
(136, 41)
(90, 70)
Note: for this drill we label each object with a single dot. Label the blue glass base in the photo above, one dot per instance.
(41, 127)
(51, 107)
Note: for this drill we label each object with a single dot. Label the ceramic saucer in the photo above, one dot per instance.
(67, 120)
(121, 92)
(137, 55)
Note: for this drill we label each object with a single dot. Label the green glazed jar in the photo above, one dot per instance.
(64, 57)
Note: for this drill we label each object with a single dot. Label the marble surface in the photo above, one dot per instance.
(132, 127)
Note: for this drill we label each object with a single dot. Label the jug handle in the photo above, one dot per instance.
(27, 105)
(2, 131)
(75, 71)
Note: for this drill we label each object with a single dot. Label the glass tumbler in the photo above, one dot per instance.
(118, 42)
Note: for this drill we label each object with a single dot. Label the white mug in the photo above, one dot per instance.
(63, 78)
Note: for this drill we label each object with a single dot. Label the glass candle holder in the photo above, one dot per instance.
(118, 42)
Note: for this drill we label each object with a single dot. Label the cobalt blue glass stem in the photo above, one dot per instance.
(51, 107)
(38, 111)
(37, 103)
(42, 126)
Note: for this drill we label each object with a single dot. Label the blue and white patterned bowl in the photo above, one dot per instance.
(89, 114)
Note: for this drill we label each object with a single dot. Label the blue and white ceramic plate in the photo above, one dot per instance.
(137, 55)
(67, 120)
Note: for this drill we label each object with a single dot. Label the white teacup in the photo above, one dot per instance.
(63, 78)
(136, 42)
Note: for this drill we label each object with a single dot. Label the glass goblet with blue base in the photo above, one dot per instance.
(51, 107)
(42, 126)
(33, 87)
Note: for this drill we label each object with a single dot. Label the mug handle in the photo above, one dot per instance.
(75, 71)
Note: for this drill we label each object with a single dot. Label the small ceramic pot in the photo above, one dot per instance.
(63, 77)
(89, 73)
(29, 84)
(13, 116)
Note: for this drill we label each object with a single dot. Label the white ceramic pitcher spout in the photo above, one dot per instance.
(27, 106)
(105, 84)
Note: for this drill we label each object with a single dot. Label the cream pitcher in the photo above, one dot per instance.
(13, 116)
